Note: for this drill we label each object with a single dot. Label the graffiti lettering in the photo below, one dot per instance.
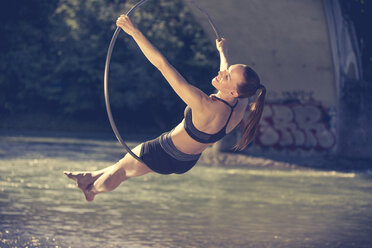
(299, 95)
(295, 126)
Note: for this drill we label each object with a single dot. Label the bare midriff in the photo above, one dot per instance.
(185, 143)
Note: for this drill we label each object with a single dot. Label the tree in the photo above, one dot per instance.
(24, 52)
(55, 62)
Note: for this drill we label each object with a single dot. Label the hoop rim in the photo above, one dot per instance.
(107, 68)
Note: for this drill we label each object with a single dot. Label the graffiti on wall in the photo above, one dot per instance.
(296, 126)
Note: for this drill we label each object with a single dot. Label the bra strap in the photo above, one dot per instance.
(232, 107)
(228, 120)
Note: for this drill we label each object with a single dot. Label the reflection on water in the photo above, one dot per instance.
(207, 207)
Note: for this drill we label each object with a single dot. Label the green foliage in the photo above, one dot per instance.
(171, 27)
(54, 59)
(23, 56)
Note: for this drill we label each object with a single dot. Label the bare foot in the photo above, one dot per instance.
(85, 182)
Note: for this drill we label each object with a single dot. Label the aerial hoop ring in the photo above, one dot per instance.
(107, 66)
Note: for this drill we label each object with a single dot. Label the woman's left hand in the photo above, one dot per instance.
(126, 24)
(221, 45)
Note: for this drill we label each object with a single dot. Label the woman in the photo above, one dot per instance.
(207, 120)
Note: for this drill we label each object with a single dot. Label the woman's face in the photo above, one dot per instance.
(227, 81)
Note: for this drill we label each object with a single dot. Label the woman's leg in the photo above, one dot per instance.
(92, 183)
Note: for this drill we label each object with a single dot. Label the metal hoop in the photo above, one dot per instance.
(107, 66)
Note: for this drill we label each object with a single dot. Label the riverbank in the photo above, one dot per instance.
(47, 125)
(321, 163)
(89, 142)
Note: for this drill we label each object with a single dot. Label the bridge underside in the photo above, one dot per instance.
(287, 43)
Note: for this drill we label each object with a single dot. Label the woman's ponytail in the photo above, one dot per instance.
(250, 125)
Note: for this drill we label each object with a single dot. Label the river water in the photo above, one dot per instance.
(207, 207)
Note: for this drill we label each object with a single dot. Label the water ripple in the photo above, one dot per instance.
(207, 207)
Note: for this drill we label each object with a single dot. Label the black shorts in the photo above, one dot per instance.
(161, 156)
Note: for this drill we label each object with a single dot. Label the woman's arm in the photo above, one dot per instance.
(222, 49)
(191, 95)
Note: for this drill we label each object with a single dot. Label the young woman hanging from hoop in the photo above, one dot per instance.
(207, 120)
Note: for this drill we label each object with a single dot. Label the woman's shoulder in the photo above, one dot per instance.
(208, 109)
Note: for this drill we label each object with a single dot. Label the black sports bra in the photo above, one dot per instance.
(200, 136)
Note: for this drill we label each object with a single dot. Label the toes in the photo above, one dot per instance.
(67, 173)
(70, 175)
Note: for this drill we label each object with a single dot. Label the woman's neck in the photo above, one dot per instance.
(228, 98)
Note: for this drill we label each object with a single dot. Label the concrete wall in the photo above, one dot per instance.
(287, 43)
(355, 120)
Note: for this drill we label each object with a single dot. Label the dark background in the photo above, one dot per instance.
(360, 13)
(53, 54)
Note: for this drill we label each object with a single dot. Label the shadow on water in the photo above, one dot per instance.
(207, 207)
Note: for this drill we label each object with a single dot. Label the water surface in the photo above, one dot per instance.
(207, 207)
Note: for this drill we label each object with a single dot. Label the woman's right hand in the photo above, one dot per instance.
(221, 45)
(126, 24)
